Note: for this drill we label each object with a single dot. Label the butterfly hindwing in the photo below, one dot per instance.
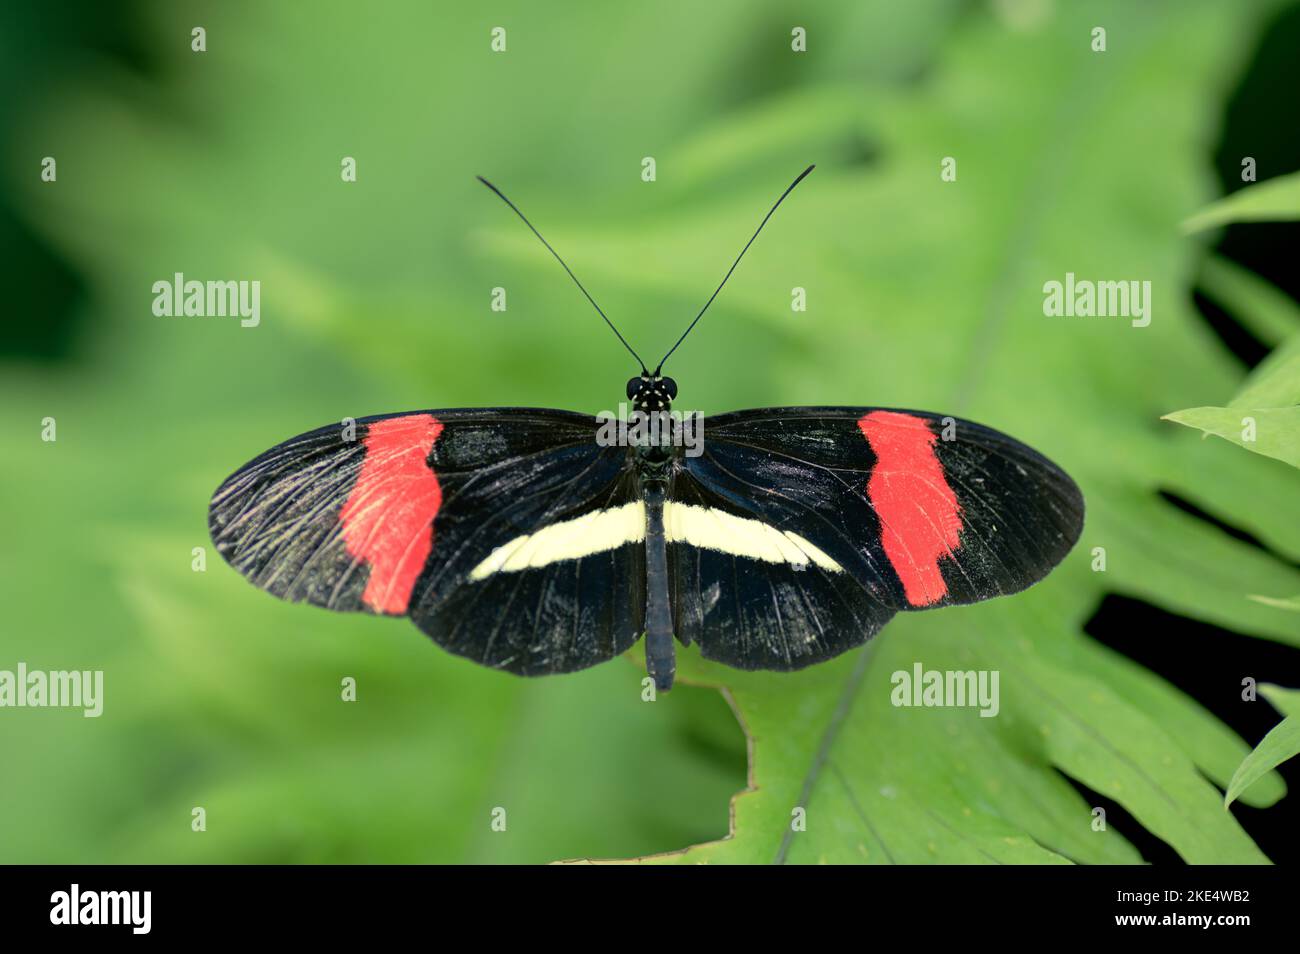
(754, 594)
(397, 517)
(545, 564)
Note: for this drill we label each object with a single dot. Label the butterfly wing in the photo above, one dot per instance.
(508, 535)
(874, 510)
(752, 592)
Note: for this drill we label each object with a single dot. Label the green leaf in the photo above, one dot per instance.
(1271, 431)
(1281, 743)
(1269, 313)
(1280, 602)
(1264, 415)
(1276, 381)
(1274, 200)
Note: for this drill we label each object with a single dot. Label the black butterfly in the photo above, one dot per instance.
(543, 541)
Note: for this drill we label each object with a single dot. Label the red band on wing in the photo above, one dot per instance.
(920, 520)
(388, 518)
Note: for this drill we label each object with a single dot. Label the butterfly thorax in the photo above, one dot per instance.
(655, 463)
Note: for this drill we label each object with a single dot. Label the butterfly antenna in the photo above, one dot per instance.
(502, 197)
(797, 180)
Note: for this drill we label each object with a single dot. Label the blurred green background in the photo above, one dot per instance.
(376, 297)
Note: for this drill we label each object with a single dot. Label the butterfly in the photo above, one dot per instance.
(543, 541)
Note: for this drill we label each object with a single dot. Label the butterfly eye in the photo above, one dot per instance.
(670, 387)
(634, 386)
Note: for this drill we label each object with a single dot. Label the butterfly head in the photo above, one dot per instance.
(651, 392)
